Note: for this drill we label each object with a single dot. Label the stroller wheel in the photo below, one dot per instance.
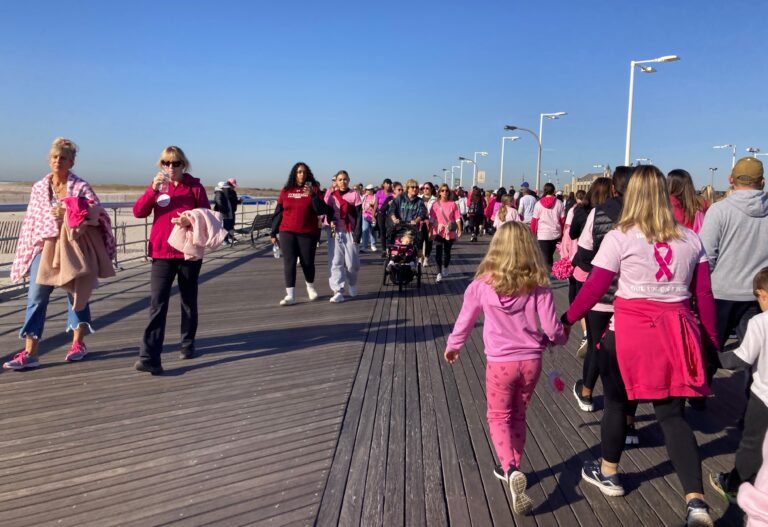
(400, 287)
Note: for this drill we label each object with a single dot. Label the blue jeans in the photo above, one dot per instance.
(37, 305)
(368, 235)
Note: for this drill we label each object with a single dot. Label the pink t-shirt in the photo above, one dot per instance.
(351, 197)
(549, 226)
(512, 215)
(438, 219)
(654, 271)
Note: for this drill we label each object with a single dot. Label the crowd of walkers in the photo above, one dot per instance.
(660, 278)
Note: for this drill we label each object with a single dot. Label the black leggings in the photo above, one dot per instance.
(548, 249)
(303, 247)
(443, 251)
(678, 436)
(381, 225)
(427, 241)
(597, 323)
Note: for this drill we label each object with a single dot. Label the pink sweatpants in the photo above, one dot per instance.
(509, 387)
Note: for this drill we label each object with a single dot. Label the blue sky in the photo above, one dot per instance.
(395, 89)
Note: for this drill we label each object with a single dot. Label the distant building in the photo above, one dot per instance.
(584, 182)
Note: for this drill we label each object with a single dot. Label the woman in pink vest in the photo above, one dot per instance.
(653, 348)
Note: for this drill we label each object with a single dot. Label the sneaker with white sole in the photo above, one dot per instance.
(77, 352)
(352, 291)
(373, 248)
(439, 278)
(287, 301)
(499, 473)
(311, 292)
(521, 503)
(697, 514)
(337, 298)
(584, 402)
(608, 485)
(719, 482)
(21, 361)
(581, 352)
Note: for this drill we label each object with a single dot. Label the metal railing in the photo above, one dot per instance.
(243, 220)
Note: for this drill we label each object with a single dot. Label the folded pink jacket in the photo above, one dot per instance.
(205, 234)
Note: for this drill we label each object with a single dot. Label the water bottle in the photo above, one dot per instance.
(164, 185)
(276, 251)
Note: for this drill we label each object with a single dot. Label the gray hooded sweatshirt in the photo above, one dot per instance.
(735, 236)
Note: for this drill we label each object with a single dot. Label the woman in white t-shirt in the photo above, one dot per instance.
(547, 222)
(653, 349)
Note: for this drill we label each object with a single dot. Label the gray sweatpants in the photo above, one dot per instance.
(343, 261)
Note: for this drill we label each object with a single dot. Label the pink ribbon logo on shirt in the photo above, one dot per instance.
(663, 261)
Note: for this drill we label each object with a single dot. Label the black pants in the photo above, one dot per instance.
(731, 315)
(678, 436)
(303, 247)
(548, 249)
(443, 251)
(427, 242)
(597, 323)
(574, 286)
(381, 224)
(163, 273)
(229, 225)
(749, 456)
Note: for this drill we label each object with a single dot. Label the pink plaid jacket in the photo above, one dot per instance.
(39, 224)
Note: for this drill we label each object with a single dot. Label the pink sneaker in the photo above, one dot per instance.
(21, 361)
(76, 352)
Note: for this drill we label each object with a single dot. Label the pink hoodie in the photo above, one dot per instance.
(510, 331)
(753, 499)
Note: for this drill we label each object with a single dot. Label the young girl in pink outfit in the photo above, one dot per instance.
(511, 287)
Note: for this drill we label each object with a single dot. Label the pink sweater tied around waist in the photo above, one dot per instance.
(204, 234)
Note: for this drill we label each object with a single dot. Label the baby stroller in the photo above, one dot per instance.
(402, 264)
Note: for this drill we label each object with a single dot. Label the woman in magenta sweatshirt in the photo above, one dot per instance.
(511, 287)
(172, 192)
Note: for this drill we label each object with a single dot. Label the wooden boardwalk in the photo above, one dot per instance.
(315, 414)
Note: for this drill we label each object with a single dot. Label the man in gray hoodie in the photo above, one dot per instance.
(735, 236)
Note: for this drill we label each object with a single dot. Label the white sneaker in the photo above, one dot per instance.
(439, 278)
(373, 248)
(287, 301)
(337, 298)
(352, 291)
(311, 292)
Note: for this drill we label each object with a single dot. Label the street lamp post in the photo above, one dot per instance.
(511, 128)
(733, 152)
(474, 165)
(501, 171)
(462, 160)
(445, 177)
(646, 160)
(644, 69)
(712, 171)
(453, 177)
(553, 116)
(753, 150)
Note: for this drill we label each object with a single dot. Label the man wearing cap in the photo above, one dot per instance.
(735, 237)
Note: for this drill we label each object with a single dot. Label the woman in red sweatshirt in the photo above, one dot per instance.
(298, 207)
(172, 192)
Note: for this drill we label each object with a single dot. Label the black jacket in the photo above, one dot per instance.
(221, 204)
(231, 195)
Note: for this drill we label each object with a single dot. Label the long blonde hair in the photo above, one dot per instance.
(647, 206)
(514, 263)
(502, 214)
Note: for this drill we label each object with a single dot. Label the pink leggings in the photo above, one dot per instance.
(509, 386)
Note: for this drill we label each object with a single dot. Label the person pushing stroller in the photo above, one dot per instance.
(407, 210)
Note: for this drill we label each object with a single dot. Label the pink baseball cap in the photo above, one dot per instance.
(232, 181)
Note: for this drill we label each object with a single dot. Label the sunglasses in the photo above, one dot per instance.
(174, 164)
(444, 190)
(411, 186)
